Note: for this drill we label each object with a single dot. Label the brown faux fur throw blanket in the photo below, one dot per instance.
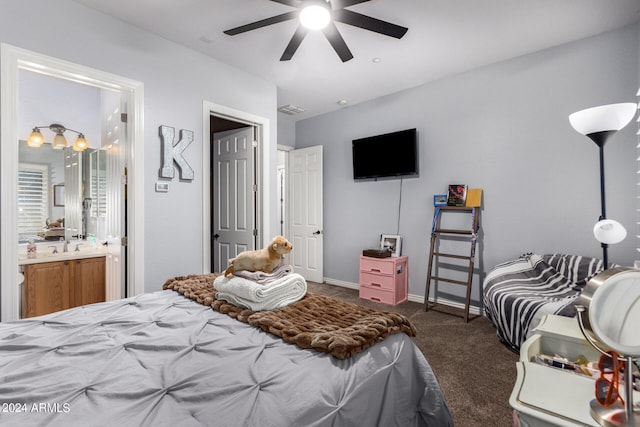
(325, 324)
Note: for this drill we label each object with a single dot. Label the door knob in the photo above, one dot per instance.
(317, 232)
(215, 236)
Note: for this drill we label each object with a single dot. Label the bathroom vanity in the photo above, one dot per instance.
(59, 281)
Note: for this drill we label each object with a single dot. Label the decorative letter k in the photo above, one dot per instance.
(171, 153)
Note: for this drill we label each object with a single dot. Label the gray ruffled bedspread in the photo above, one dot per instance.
(160, 359)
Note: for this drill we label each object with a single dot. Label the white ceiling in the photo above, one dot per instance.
(445, 37)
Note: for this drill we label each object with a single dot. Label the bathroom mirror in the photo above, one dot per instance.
(41, 171)
(45, 100)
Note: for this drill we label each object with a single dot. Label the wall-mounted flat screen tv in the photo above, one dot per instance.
(388, 155)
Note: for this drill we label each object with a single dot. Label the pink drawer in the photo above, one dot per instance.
(377, 281)
(377, 295)
(376, 265)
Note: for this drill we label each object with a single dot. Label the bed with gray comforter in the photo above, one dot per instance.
(161, 359)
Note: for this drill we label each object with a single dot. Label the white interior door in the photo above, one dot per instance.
(114, 230)
(233, 223)
(305, 212)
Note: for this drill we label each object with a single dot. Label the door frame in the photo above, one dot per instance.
(284, 201)
(263, 160)
(12, 60)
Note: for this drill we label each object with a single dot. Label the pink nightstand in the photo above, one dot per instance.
(384, 280)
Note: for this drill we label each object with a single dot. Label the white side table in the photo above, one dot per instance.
(545, 396)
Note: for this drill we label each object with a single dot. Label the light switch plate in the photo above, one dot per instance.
(162, 187)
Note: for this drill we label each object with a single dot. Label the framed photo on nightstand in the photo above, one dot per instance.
(392, 243)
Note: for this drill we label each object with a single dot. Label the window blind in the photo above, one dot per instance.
(99, 196)
(33, 198)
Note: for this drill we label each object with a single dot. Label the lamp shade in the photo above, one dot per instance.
(80, 144)
(612, 117)
(609, 231)
(35, 139)
(59, 142)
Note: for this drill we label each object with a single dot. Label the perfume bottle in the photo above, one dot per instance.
(31, 249)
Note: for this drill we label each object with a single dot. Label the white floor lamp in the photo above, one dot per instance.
(599, 124)
(609, 307)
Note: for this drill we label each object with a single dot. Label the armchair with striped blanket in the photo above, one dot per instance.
(518, 293)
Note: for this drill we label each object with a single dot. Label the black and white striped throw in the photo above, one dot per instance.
(518, 293)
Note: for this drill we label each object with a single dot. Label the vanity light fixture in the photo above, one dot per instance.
(59, 141)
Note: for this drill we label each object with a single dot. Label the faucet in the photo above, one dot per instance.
(77, 247)
(55, 249)
(65, 248)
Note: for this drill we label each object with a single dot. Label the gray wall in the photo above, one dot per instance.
(504, 128)
(286, 132)
(176, 82)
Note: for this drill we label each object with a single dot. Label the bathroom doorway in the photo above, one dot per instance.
(13, 61)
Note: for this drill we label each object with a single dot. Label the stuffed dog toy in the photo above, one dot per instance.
(266, 259)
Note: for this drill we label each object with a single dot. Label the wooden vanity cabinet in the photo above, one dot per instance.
(90, 281)
(47, 288)
(55, 286)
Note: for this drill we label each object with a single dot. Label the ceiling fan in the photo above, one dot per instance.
(327, 12)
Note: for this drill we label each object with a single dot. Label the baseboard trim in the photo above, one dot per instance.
(412, 297)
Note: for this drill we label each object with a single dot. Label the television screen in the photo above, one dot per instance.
(391, 154)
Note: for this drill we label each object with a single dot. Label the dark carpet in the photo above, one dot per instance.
(475, 371)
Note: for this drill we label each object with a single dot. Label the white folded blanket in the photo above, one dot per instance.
(256, 297)
(264, 278)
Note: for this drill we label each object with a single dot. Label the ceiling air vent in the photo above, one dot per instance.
(291, 109)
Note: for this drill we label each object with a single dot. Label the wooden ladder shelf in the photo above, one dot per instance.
(436, 232)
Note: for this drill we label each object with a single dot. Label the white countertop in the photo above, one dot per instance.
(48, 256)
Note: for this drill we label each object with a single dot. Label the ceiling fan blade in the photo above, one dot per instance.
(294, 43)
(338, 43)
(292, 3)
(340, 4)
(263, 23)
(369, 23)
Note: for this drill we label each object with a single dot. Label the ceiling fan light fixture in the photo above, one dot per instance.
(323, 15)
(315, 17)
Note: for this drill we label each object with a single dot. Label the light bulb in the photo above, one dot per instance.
(80, 144)
(315, 17)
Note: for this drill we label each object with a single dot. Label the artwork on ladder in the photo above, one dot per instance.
(440, 200)
(392, 243)
(457, 195)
